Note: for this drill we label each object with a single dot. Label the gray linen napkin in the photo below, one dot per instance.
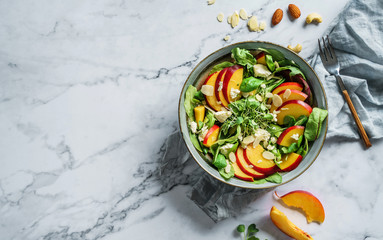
(357, 35)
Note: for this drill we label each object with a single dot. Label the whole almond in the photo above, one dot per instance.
(277, 16)
(294, 11)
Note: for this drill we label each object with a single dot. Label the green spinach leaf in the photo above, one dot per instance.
(301, 120)
(244, 58)
(199, 95)
(287, 62)
(277, 55)
(226, 175)
(249, 84)
(289, 121)
(188, 103)
(270, 63)
(314, 123)
(195, 141)
(293, 71)
(209, 119)
(220, 66)
(220, 161)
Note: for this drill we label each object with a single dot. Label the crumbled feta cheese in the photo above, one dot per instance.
(221, 116)
(220, 86)
(245, 94)
(232, 157)
(225, 148)
(273, 139)
(263, 85)
(270, 147)
(193, 127)
(228, 167)
(261, 70)
(203, 133)
(244, 146)
(207, 90)
(259, 97)
(287, 93)
(268, 106)
(265, 144)
(262, 135)
(240, 137)
(234, 93)
(295, 136)
(256, 142)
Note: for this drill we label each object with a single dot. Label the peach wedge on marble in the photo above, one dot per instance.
(286, 226)
(306, 201)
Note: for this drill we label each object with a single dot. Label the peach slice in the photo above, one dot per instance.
(254, 157)
(232, 82)
(212, 100)
(245, 167)
(211, 136)
(199, 114)
(290, 135)
(295, 108)
(219, 94)
(286, 226)
(287, 85)
(261, 58)
(304, 200)
(240, 174)
(294, 95)
(290, 162)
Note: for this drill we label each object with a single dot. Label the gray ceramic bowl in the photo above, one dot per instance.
(200, 73)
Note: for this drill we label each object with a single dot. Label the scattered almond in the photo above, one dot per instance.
(277, 16)
(268, 155)
(210, 2)
(287, 94)
(220, 17)
(234, 19)
(253, 24)
(262, 25)
(243, 14)
(313, 17)
(207, 90)
(294, 11)
(229, 19)
(296, 49)
(277, 100)
(232, 157)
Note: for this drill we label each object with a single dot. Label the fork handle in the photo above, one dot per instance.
(361, 130)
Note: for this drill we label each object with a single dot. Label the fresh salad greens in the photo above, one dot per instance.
(253, 118)
(249, 233)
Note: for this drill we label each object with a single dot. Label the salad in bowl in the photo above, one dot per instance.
(253, 117)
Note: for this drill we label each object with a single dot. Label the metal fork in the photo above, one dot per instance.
(331, 64)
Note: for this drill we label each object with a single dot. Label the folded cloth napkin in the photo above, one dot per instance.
(357, 36)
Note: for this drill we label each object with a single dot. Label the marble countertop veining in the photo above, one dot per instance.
(89, 93)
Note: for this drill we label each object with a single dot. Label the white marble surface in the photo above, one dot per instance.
(89, 92)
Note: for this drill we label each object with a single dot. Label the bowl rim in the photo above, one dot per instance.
(260, 185)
